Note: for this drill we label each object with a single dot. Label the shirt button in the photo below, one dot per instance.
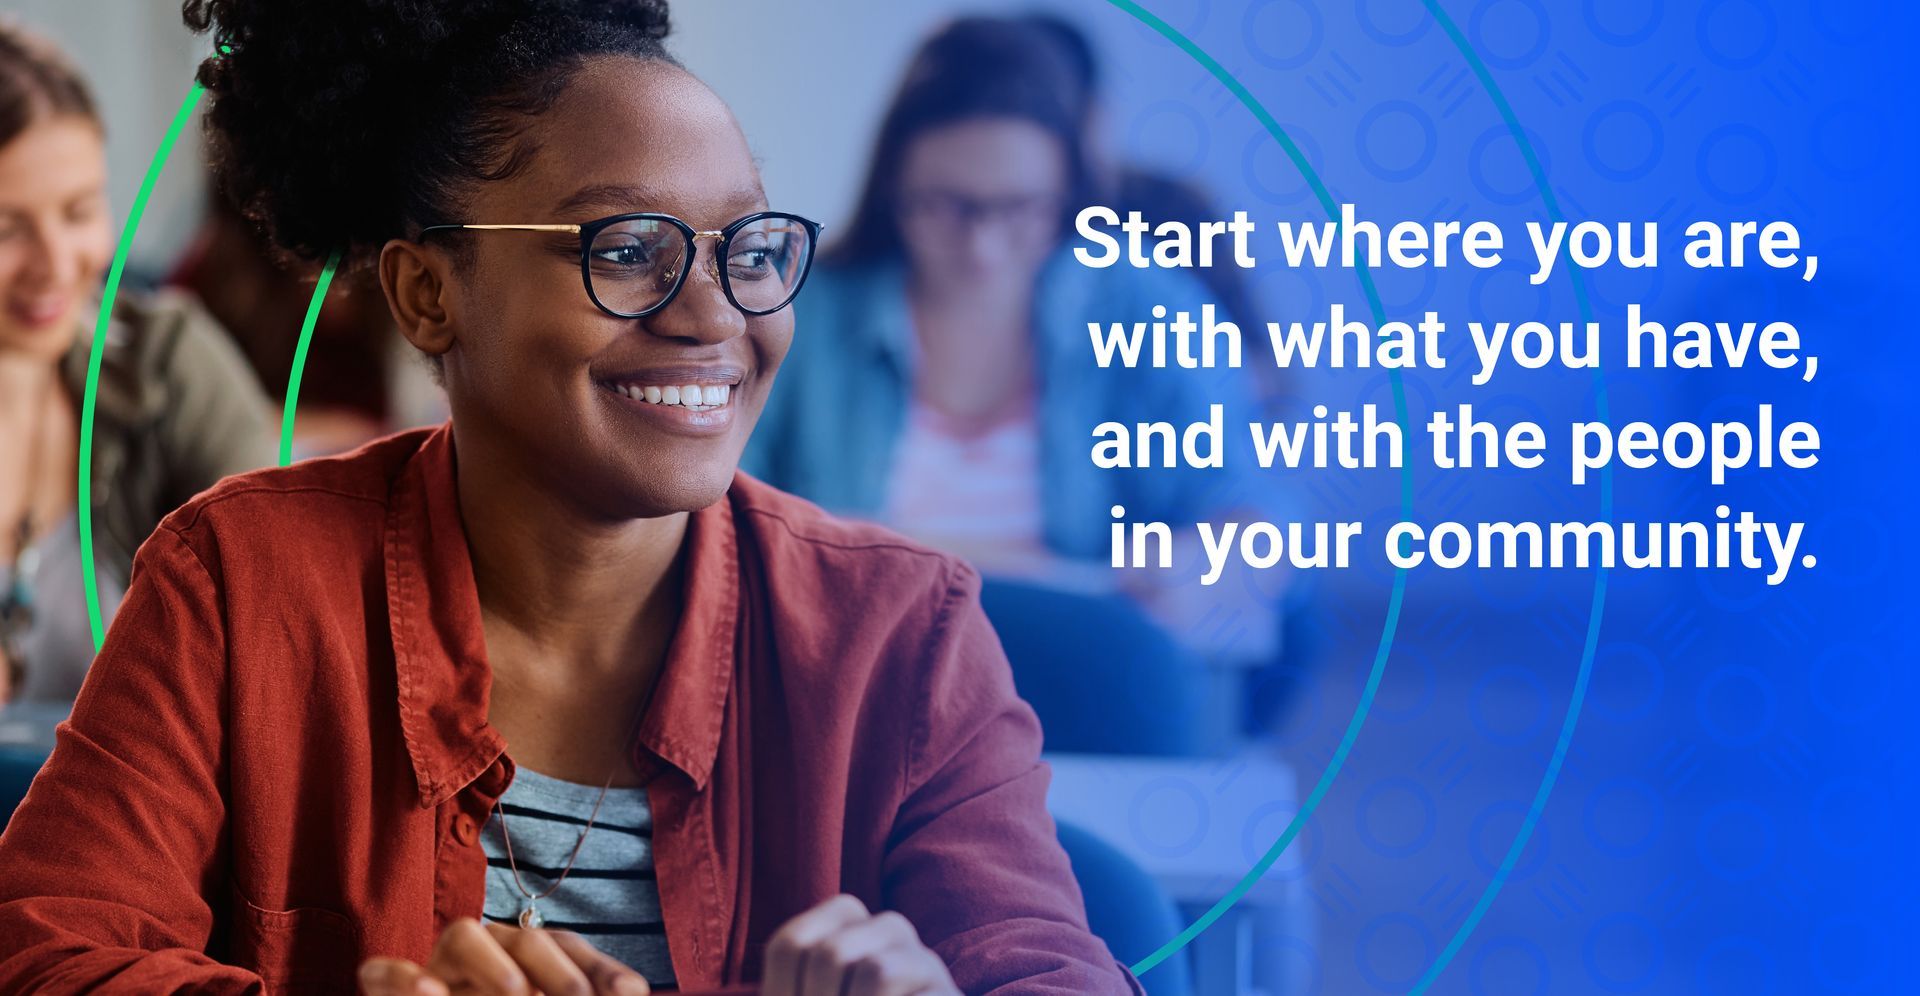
(463, 828)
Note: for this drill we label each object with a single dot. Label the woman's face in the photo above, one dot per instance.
(536, 366)
(980, 203)
(54, 237)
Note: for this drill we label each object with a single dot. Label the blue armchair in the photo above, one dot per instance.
(1127, 909)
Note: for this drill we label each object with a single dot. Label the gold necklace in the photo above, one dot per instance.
(530, 917)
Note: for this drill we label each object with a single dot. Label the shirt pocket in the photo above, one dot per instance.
(301, 950)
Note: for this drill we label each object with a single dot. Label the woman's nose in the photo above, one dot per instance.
(701, 312)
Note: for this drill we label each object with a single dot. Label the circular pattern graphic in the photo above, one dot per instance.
(1615, 22)
(1259, 832)
(1509, 34)
(1850, 952)
(1391, 950)
(1282, 34)
(1736, 841)
(1735, 705)
(1736, 34)
(1508, 705)
(1852, 816)
(1622, 952)
(1623, 817)
(1395, 817)
(1169, 817)
(1509, 966)
(1410, 23)
(1171, 135)
(1737, 966)
(1628, 682)
(1396, 140)
(1501, 822)
(1498, 169)
(1736, 164)
(1623, 141)
(1264, 160)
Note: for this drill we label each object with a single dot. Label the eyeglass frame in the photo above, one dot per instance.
(588, 231)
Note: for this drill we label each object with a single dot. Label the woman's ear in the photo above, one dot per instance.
(417, 284)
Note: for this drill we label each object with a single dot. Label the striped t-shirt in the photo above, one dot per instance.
(611, 897)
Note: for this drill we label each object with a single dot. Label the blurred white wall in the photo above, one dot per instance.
(140, 59)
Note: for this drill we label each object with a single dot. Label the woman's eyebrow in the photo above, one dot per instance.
(632, 197)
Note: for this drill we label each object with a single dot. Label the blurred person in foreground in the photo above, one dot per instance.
(549, 697)
(177, 409)
(950, 391)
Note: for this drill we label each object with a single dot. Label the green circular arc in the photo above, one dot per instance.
(1388, 628)
(89, 398)
(97, 349)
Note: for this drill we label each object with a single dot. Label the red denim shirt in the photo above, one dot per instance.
(280, 761)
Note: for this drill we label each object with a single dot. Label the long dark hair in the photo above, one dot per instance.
(975, 67)
(36, 82)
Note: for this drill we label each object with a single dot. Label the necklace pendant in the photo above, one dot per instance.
(530, 917)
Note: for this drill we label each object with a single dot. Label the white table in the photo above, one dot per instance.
(1197, 827)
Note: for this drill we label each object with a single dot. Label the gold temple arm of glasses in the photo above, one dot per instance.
(570, 229)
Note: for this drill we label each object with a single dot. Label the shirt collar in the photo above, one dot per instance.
(439, 646)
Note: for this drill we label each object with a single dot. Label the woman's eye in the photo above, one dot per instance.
(85, 210)
(753, 261)
(626, 255)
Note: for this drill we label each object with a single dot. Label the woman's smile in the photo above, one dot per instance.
(694, 399)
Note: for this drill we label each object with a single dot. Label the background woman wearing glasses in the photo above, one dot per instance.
(547, 696)
(948, 390)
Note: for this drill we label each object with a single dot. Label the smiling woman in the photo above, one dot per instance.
(443, 707)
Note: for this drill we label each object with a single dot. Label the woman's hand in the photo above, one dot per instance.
(491, 958)
(839, 949)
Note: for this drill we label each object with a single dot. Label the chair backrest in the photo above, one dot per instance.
(17, 768)
(1127, 909)
(1102, 677)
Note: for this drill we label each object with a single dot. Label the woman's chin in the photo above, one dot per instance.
(685, 490)
(48, 342)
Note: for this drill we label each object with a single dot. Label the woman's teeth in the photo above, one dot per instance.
(697, 397)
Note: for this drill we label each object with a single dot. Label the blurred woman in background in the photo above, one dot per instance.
(948, 390)
(176, 411)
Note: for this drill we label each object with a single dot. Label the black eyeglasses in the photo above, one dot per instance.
(634, 264)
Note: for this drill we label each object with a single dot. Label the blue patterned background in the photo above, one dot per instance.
(1728, 817)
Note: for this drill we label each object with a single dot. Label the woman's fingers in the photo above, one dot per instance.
(608, 975)
(468, 957)
(900, 970)
(787, 949)
(828, 965)
(548, 969)
(497, 960)
(838, 949)
(398, 977)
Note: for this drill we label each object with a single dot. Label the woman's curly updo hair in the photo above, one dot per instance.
(339, 124)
